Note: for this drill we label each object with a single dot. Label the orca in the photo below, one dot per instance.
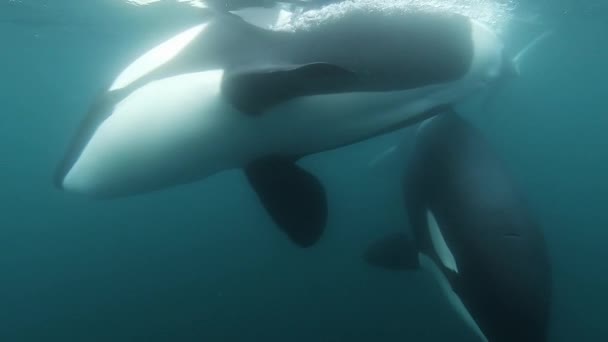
(226, 94)
(474, 231)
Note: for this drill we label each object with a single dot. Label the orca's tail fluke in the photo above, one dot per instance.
(511, 69)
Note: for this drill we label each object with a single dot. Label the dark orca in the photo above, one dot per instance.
(474, 231)
(227, 94)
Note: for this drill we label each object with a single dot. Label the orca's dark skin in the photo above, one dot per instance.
(494, 255)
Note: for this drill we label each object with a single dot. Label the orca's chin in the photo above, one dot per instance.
(89, 188)
(94, 193)
(66, 187)
(58, 180)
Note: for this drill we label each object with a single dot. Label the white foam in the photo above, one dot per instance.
(141, 2)
(193, 3)
(492, 13)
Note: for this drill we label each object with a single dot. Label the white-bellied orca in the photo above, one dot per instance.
(473, 230)
(226, 94)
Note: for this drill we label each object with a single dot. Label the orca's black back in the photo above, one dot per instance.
(388, 51)
(504, 276)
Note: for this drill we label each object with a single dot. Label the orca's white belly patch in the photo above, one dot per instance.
(162, 131)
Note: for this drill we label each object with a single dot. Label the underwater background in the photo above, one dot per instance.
(204, 262)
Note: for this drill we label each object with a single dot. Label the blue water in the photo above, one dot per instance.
(204, 262)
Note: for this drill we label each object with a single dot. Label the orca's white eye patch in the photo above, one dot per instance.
(156, 57)
(439, 244)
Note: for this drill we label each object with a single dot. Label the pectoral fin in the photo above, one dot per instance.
(294, 198)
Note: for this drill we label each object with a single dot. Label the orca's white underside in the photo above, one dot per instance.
(180, 129)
